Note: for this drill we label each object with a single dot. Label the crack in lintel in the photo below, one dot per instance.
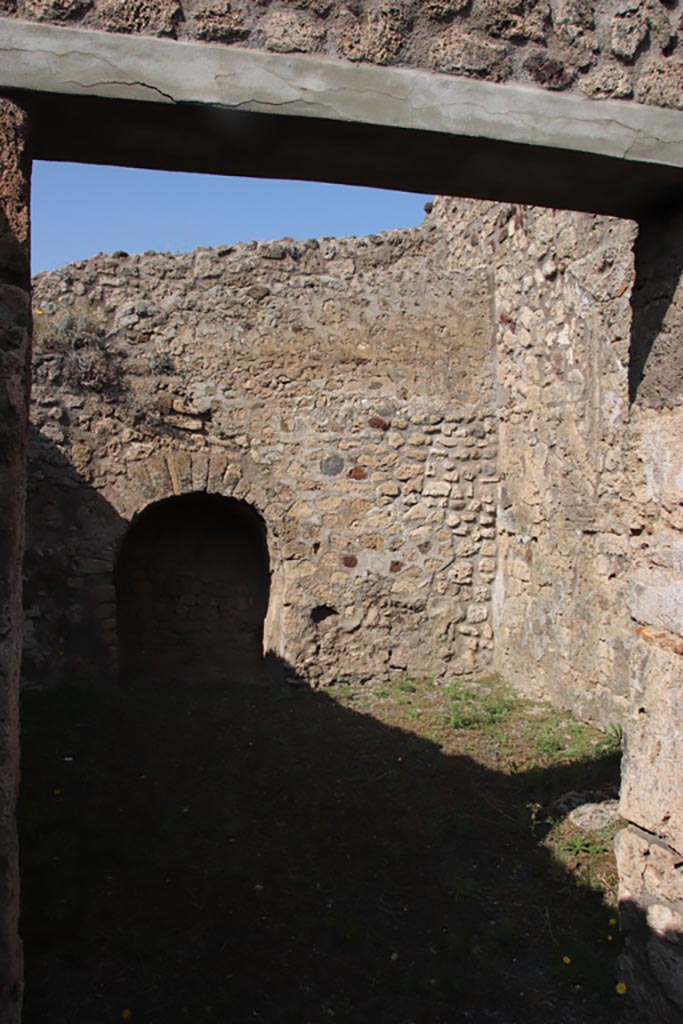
(311, 97)
(60, 55)
(127, 84)
(640, 136)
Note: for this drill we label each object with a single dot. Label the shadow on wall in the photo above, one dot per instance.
(72, 534)
(656, 356)
(267, 854)
(179, 595)
(650, 965)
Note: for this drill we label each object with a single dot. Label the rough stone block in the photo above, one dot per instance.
(218, 463)
(654, 739)
(656, 599)
(200, 471)
(650, 888)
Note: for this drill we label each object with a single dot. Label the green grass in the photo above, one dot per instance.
(555, 735)
(483, 703)
(583, 846)
(613, 740)
(404, 685)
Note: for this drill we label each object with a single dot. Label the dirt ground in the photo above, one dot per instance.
(385, 855)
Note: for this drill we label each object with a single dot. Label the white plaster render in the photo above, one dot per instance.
(79, 62)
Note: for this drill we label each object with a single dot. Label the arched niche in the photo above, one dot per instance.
(192, 581)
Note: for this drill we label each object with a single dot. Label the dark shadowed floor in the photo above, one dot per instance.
(277, 855)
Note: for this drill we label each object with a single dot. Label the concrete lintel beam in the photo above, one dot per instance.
(331, 119)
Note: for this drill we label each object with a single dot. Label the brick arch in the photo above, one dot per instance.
(179, 472)
(184, 471)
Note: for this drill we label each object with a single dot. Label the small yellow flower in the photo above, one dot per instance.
(609, 938)
(621, 988)
(612, 922)
(566, 959)
(126, 1014)
(39, 312)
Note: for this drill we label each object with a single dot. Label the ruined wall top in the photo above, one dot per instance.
(620, 49)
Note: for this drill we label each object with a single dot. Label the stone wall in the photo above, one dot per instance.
(15, 335)
(327, 383)
(342, 388)
(589, 591)
(609, 49)
(650, 850)
(563, 285)
(588, 599)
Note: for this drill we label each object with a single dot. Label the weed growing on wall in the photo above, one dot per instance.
(86, 357)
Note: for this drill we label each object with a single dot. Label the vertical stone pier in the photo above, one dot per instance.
(15, 344)
(650, 849)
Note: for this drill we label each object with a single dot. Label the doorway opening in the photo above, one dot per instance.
(192, 583)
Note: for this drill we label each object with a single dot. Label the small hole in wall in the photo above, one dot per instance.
(322, 612)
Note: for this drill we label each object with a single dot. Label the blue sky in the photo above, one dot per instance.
(79, 210)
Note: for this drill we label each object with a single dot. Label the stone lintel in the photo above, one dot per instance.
(105, 98)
